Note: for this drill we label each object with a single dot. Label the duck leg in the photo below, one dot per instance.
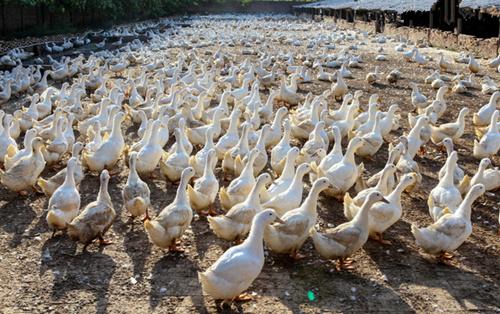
(343, 263)
(175, 248)
(103, 242)
(380, 238)
(421, 151)
(296, 255)
(244, 297)
(445, 258)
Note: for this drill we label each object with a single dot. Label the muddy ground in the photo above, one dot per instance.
(41, 274)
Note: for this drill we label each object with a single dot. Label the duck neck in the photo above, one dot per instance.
(116, 131)
(395, 195)
(255, 238)
(70, 176)
(448, 177)
(253, 197)
(464, 210)
(233, 124)
(103, 195)
(277, 120)
(311, 200)
(337, 146)
(181, 196)
(133, 176)
(361, 218)
(349, 154)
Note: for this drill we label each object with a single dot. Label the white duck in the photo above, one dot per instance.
(204, 191)
(168, 227)
(383, 215)
(236, 269)
(289, 236)
(64, 203)
(490, 141)
(445, 194)
(483, 116)
(135, 193)
(236, 223)
(451, 230)
(344, 240)
(292, 196)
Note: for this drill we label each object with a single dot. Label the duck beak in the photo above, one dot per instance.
(279, 220)
(384, 200)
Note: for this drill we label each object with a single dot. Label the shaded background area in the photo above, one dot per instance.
(46, 17)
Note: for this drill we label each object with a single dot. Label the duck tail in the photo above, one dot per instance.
(44, 186)
(224, 199)
(348, 206)
(464, 185)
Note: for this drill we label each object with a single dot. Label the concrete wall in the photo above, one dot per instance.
(482, 48)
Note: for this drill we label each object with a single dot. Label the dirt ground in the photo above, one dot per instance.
(40, 274)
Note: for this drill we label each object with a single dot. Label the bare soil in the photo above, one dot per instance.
(41, 274)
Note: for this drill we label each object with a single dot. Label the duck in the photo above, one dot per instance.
(23, 174)
(280, 151)
(262, 158)
(196, 136)
(344, 174)
(373, 77)
(443, 64)
(236, 223)
(345, 239)
(135, 193)
(334, 156)
(287, 94)
(445, 194)
(168, 227)
(414, 138)
(406, 164)
(490, 178)
(452, 130)
(150, 154)
(96, 218)
(203, 193)
(286, 174)
(231, 137)
(488, 86)
(64, 203)
(111, 149)
(395, 152)
(48, 186)
(373, 140)
(340, 88)
(381, 186)
(58, 146)
(6, 139)
(173, 164)
(316, 142)
(236, 269)
(458, 173)
(198, 161)
(451, 230)
(483, 116)
(291, 197)
(238, 189)
(473, 65)
(234, 158)
(13, 154)
(276, 132)
(489, 144)
(418, 99)
(382, 215)
(289, 236)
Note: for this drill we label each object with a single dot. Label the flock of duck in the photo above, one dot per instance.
(237, 108)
